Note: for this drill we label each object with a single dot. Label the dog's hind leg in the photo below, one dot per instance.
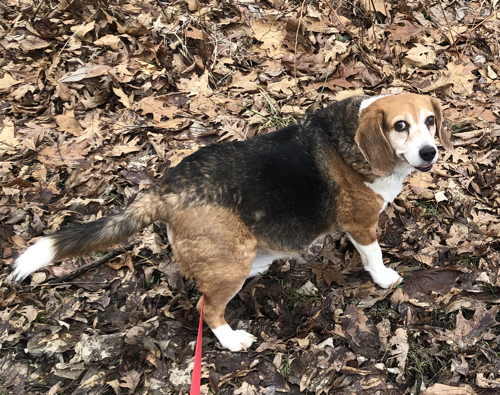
(216, 300)
(215, 248)
(371, 255)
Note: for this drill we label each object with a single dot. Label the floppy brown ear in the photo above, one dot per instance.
(444, 136)
(373, 144)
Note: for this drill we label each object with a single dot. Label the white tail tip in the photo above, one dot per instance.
(35, 257)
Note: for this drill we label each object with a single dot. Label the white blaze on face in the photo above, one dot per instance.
(407, 144)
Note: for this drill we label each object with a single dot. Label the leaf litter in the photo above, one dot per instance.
(98, 99)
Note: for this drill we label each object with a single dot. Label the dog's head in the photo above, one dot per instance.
(400, 128)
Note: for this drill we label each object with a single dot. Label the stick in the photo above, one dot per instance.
(98, 262)
(451, 32)
(374, 68)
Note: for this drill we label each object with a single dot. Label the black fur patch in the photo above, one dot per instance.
(280, 183)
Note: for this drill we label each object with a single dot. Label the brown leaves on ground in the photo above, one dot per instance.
(98, 99)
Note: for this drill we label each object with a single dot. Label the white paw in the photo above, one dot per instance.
(386, 277)
(233, 340)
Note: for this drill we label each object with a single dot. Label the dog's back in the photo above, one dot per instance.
(276, 183)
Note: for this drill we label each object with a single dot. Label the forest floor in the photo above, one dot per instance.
(99, 98)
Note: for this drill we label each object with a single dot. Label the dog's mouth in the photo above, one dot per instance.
(424, 169)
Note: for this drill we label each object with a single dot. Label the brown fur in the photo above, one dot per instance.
(357, 205)
(373, 143)
(213, 245)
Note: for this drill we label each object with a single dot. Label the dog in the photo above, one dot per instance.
(233, 208)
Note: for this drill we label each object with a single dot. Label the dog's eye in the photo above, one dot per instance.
(401, 126)
(429, 121)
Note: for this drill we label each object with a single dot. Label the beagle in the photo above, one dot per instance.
(233, 208)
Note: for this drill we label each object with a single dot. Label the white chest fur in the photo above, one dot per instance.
(389, 187)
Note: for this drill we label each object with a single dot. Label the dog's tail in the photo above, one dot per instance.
(91, 236)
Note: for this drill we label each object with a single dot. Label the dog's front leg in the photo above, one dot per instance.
(371, 255)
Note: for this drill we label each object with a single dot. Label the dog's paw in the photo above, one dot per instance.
(385, 278)
(240, 340)
(234, 340)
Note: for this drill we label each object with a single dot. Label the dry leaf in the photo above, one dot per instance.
(194, 5)
(420, 56)
(7, 82)
(89, 71)
(71, 155)
(68, 123)
(442, 389)
(123, 98)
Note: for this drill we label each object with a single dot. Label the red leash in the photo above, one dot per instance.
(196, 378)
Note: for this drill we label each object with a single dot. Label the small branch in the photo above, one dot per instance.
(474, 27)
(161, 5)
(372, 18)
(376, 69)
(98, 262)
(449, 29)
(9, 55)
(389, 22)
(37, 9)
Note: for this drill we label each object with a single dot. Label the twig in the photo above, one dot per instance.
(322, 89)
(449, 29)
(299, 25)
(7, 52)
(37, 9)
(381, 75)
(44, 285)
(474, 27)
(389, 20)
(98, 262)
(53, 11)
(372, 17)
(387, 13)
(161, 5)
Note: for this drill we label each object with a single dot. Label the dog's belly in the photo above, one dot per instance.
(263, 261)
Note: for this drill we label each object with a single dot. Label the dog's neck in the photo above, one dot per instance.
(390, 186)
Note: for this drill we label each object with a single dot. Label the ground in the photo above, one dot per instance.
(99, 98)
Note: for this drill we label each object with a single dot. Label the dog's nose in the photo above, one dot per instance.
(427, 153)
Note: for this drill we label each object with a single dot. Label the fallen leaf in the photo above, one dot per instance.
(7, 82)
(420, 56)
(399, 350)
(71, 155)
(196, 85)
(123, 98)
(31, 43)
(89, 71)
(438, 280)
(442, 389)
(68, 123)
(484, 382)
(194, 5)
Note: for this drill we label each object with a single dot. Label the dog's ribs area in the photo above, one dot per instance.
(102, 102)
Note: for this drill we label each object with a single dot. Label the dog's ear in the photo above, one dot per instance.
(373, 144)
(444, 136)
